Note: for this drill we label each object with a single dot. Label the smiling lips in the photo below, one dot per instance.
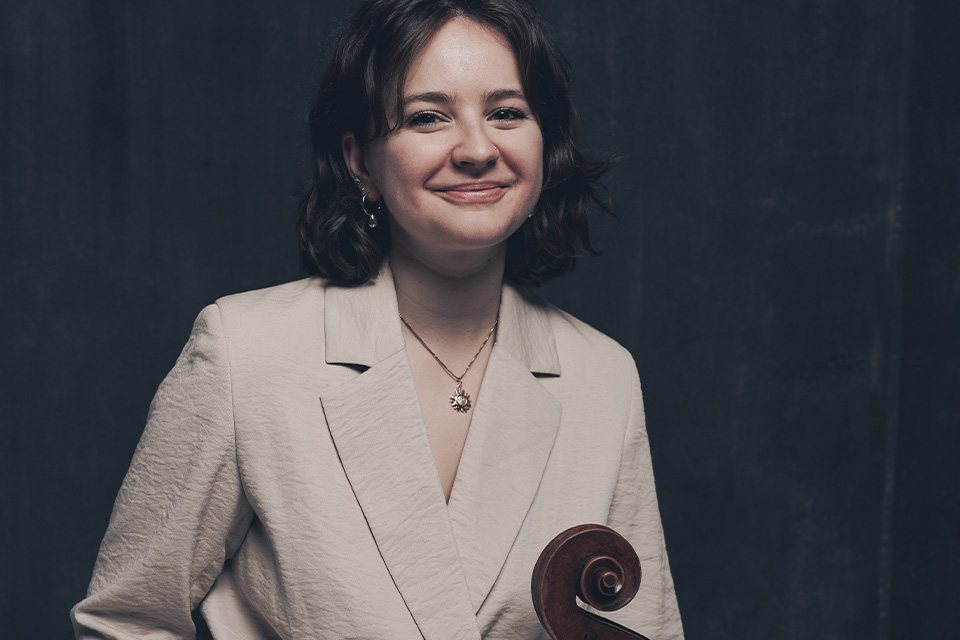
(473, 192)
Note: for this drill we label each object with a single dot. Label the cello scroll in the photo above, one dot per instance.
(594, 563)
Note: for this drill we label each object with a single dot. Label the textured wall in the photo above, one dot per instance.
(785, 268)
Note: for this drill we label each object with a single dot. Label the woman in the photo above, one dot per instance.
(383, 450)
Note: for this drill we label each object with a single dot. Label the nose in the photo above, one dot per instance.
(475, 149)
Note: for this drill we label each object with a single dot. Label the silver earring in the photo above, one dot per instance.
(371, 217)
(356, 179)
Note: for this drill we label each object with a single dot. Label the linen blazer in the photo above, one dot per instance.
(285, 484)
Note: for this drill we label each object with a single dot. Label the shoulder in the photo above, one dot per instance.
(273, 320)
(277, 301)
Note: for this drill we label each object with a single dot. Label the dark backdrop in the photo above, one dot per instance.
(785, 269)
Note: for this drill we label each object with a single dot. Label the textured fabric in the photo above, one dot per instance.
(285, 485)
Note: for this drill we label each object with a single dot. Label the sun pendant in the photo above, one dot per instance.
(460, 400)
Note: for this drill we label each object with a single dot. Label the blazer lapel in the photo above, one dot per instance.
(511, 435)
(377, 427)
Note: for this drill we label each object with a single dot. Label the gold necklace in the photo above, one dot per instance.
(460, 400)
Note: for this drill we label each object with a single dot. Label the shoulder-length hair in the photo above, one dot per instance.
(373, 53)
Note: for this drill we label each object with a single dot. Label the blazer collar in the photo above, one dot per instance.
(377, 427)
(526, 333)
(444, 559)
(511, 435)
(362, 326)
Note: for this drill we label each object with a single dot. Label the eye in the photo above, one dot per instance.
(422, 119)
(508, 114)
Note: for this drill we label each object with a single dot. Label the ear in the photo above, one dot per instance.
(355, 159)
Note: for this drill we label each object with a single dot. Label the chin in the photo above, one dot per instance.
(460, 244)
(483, 234)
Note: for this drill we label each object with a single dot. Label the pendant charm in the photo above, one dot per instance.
(460, 400)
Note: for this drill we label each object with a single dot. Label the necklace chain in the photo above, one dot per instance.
(460, 400)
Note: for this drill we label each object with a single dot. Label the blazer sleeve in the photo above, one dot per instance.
(181, 511)
(635, 514)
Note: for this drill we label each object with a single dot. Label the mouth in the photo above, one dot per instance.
(473, 192)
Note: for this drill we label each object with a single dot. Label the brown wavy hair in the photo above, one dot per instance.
(373, 52)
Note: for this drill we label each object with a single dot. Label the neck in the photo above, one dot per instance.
(449, 304)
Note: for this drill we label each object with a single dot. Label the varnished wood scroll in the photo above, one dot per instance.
(594, 563)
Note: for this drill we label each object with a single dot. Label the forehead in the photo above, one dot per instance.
(463, 55)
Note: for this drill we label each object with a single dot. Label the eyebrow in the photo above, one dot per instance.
(441, 97)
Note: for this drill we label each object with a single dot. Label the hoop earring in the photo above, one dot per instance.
(371, 217)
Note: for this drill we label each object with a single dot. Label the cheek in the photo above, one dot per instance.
(524, 153)
(533, 164)
(401, 168)
(534, 156)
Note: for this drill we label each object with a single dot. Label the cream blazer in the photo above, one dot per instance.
(285, 485)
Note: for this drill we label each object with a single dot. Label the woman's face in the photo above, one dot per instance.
(465, 166)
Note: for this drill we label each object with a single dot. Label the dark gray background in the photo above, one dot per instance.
(785, 269)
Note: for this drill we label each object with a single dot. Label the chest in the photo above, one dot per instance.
(446, 417)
